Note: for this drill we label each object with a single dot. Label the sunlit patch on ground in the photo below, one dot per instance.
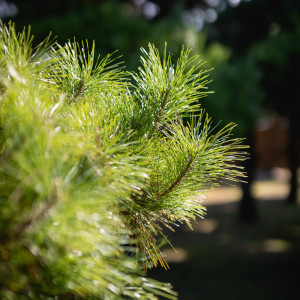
(206, 226)
(223, 195)
(270, 185)
(276, 245)
(274, 190)
(175, 257)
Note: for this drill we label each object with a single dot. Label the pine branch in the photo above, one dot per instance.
(80, 90)
(105, 162)
(185, 171)
(161, 111)
(38, 216)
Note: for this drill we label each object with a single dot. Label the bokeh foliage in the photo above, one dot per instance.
(114, 25)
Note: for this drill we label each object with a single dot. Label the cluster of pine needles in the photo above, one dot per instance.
(94, 163)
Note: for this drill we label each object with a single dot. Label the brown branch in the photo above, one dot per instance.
(49, 203)
(39, 215)
(79, 90)
(162, 107)
(157, 182)
(189, 166)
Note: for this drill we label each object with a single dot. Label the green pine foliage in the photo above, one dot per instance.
(95, 161)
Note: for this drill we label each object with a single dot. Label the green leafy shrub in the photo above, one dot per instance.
(94, 162)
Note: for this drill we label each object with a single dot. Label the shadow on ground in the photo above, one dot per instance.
(223, 259)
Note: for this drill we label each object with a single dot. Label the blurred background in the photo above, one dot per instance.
(249, 244)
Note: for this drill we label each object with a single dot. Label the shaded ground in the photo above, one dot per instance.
(223, 259)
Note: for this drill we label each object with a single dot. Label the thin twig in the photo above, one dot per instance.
(189, 166)
(161, 110)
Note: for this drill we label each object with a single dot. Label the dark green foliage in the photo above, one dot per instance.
(238, 95)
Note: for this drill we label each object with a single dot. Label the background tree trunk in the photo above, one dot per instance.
(248, 212)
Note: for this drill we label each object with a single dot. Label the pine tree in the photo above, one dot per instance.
(95, 161)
